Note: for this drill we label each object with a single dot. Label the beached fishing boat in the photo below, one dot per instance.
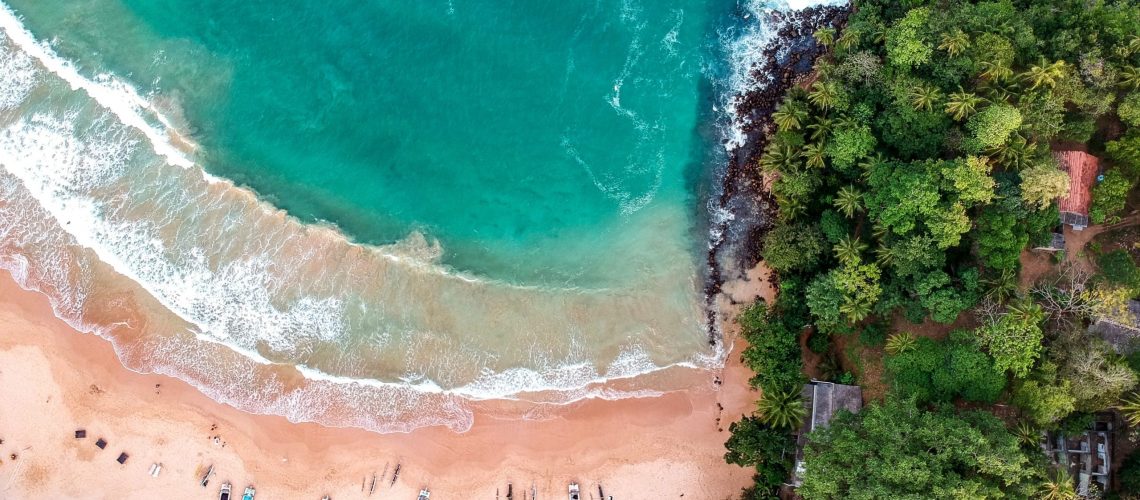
(225, 493)
(575, 493)
(424, 494)
(249, 492)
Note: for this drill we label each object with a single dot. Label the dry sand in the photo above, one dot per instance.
(54, 380)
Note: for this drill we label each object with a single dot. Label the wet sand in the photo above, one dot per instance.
(54, 380)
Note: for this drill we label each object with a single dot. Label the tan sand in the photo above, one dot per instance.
(54, 380)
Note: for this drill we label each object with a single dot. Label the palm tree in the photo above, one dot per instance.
(962, 104)
(1014, 154)
(995, 70)
(1130, 409)
(856, 311)
(1130, 77)
(869, 163)
(813, 155)
(848, 39)
(884, 255)
(1133, 44)
(924, 96)
(1027, 435)
(1059, 486)
(781, 409)
(1025, 310)
(1044, 74)
(1002, 287)
(777, 158)
(825, 36)
(824, 95)
(820, 128)
(849, 200)
(791, 115)
(901, 342)
(849, 249)
(1000, 90)
(954, 43)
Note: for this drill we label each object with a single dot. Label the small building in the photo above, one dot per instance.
(1056, 243)
(1082, 169)
(1122, 333)
(1087, 456)
(823, 400)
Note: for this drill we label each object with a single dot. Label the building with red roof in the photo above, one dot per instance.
(1083, 169)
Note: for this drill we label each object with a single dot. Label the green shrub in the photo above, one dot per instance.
(1109, 197)
(1129, 109)
(1117, 268)
(943, 371)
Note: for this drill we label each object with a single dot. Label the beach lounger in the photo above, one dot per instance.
(122, 458)
(80, 433)
(225, 493)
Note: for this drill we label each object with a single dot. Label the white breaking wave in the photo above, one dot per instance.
(745, 51)
(64, 175)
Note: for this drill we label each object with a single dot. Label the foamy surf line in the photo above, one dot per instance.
(570, 380)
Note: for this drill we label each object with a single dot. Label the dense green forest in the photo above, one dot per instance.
(913, 171)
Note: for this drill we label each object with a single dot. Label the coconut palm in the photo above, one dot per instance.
(848, 39)
(849, 249)
(1003, 286)
(1130, 408)
(870, 163)
(791, 115)
(856, 311)
(954, 43)
(1059, 486)
(825, 36)
(1014, 154)
(777, 158)
(1026, 434)
(1043, 73)
(1133, 44)
(1000, 90)
(880, 231)
(1025, 310)
(781, 409)
(820, 129)
(962, 104)
(923, 96)
(824, 94)
(995, 70)
(884, 255)
(849, 200)
(813, 155)
(1130, 77)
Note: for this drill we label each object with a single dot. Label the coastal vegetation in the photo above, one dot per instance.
(915, 170)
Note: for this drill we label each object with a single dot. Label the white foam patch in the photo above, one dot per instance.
(109, 92)
(17, 76)
(60, 165)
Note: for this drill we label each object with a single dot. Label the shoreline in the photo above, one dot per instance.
(743, 197)
(56, 380)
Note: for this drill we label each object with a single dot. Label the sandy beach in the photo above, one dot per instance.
(55, 380)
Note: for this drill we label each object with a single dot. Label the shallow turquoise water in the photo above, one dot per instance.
(539, 142)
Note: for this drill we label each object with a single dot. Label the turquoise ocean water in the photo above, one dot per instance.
(373, 213)
(525, 136)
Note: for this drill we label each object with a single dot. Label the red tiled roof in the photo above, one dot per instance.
(1082, 169)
